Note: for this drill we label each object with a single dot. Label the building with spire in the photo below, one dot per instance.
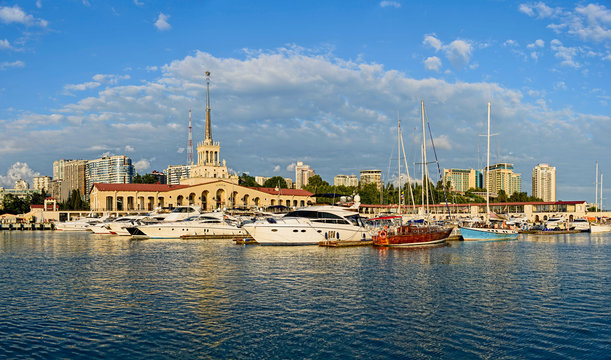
(209, 165)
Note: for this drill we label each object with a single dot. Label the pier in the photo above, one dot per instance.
(28, 226)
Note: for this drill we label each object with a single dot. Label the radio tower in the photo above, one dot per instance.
(190, 145)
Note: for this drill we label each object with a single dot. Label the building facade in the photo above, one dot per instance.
(346, 180)
(302, 174)
(544, 182)
(109, 170)
(58, 169)
(217, 194)
(41, 183)
(74, 178)
(502, 177)
(175, 173)
(462, 180)
(371, 177)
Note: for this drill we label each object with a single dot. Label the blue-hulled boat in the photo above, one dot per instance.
(470, 234)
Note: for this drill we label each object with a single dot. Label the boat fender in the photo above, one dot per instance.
(326, 236)
(337, 235)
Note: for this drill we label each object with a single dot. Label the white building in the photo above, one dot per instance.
(109, 170)
(346, 180)
(371, 177)
(302, 175)
(544, 182)
(41, 183)
(176, 172)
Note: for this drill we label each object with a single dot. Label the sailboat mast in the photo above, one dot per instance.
(488, 168)
(423, 152)
(399, 160)
(601, 192)
(596, 187)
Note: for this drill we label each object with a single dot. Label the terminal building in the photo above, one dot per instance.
(208, 185)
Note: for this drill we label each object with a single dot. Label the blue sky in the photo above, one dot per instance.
(316, 81)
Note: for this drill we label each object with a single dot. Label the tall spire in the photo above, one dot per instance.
(208, 135)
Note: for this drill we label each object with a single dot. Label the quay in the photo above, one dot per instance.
(28, 226)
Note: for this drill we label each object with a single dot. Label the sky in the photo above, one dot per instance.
(323, 82)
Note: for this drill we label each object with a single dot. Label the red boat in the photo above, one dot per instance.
(411, 235)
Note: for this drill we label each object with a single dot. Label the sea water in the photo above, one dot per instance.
(79, 295)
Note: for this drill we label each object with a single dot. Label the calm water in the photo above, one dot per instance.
(73, 295)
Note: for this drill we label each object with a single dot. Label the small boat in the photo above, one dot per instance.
(599, 228)
(412, 235)
(487, 233)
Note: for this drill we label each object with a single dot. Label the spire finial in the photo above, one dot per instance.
(208, 135)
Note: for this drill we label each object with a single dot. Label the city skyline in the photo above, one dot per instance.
(312, 82)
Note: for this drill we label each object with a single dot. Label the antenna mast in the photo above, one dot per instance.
(190, 144)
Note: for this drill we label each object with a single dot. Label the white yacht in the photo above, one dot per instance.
(582, 225)
(118, 226)
(82, 224)
(309, 226)
(210, 224)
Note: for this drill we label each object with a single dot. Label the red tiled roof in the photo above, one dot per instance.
(137, 187)
(289, 192)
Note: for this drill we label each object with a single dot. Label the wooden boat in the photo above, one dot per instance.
(410, 235)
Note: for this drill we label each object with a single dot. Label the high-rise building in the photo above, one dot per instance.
(346, 180)
(544, 182)
(462, 180)
(371, 177)
(22, 185)
(174, 173)
(502, 177)
(302, 175)
(73, 178)
(41, 183)
(109, 170)
(58, 169)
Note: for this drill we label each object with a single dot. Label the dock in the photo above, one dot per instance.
(345, 243)
(245, 241)
(32, 226)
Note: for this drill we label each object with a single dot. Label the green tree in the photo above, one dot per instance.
(247, 180)
(273, 182)
(501, 196)
(370, 194)
(145, 179)
(15, 205)
(37, 198)
(74, 202)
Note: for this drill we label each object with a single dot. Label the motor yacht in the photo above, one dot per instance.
(208, 224)
(309, 226)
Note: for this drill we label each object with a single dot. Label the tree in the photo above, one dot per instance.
(247, 180)
(501, 196)
(274, 182)
(74, 202)
(37, 198)
(370, 194)
(15, 205)
(145, 179)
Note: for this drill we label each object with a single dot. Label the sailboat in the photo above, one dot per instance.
(407, 234)
(488, 232)
(599, 226)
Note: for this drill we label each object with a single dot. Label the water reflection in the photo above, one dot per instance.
(78, 295)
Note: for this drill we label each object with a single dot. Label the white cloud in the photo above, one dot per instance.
(394, 4)
(510, 43)
(538, 43)
(458, 52)
(162, 22)
(81, 87)
(138, 3)
(277, 168)
(538, 9)
(291, 167)
(432, 63)
(433, 42)
(9, 15)
(15, 64)
(142, 165)
(18, 171)
(566, 54)
(5, 44)
(111, 79)
(129, 148)
(560, 85)
(39, 4)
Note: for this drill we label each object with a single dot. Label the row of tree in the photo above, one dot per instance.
(15, 205)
